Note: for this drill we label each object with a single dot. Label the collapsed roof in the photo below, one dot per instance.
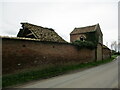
(44, 34)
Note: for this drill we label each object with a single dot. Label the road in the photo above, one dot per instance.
(103, 76)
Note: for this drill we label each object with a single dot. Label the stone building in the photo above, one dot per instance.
(44, 34)
(89, 33)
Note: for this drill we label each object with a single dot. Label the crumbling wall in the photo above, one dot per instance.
(74, 37)
(20, 54)
(99, 52)
(106, 53)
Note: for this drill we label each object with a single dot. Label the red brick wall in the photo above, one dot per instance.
(18, 54)
(75, 37)
(106, 53)
(99, 52)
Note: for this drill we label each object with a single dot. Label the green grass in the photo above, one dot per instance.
(14, 79)
(114, 56)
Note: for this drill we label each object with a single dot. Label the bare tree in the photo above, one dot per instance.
(107, 44)
(114, 46)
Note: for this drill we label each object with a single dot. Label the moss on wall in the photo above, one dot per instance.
(84, 44)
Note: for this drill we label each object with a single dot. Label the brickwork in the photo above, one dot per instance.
(76, 37)
(87, 32)
(43, 47)
(106, 53)
(99, 52)
(19, 54)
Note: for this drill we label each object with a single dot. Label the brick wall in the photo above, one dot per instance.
(99, 52)
(19, 54)
(106, 53)
(74, 37)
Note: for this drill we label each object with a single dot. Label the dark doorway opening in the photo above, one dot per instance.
(81, 38)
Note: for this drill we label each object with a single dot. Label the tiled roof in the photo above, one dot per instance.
(34, 27)
(42, 33)
(84, 29)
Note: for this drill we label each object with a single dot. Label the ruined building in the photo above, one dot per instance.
(90, 33)
(94, 34)
(43, 34)
(31, 49)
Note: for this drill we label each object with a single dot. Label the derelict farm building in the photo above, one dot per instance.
(93, 34)
(37, 46)
(43, 34)
(90, 33)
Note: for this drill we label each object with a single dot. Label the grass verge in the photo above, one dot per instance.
(23, 77)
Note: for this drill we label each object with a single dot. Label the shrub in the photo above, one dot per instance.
(117, 53)
(84, 44)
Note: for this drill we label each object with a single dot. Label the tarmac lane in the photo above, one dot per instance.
(102, 76)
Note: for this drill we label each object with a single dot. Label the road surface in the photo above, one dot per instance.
(103, 76)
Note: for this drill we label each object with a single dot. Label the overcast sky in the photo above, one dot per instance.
(61, 15)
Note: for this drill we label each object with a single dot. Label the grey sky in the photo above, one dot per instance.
(62, 15)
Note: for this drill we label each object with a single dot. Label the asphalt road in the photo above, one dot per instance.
(103, 76)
